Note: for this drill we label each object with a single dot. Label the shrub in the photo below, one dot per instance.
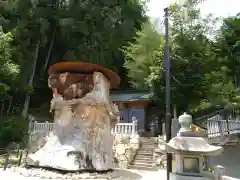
(13, 129)
(211, 170)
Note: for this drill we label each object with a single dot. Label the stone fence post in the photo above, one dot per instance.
(31, 125)
(134, 126)
(175, 127)
(221, 130)
(219, 172)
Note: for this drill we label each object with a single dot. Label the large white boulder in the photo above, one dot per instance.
(77, 143)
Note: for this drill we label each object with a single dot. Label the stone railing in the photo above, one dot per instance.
(120, 128)
(220, 128)
(219, 174)
(37, 127)
(125, 128)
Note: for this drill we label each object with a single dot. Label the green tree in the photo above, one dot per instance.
(191, 52)
(225, 75)
(48, 31)
(91, 31)
(144, 57)
(8, 69)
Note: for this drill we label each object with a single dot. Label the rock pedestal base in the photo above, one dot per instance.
(81, 138)
(74, 150)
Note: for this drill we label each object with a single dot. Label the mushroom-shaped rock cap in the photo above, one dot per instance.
(85, 68)
(197, 145)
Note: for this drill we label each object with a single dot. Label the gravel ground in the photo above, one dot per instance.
(117, 174)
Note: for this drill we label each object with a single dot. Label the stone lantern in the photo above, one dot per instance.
(190, 150)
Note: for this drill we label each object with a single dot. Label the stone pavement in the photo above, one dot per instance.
(230, 159)
(118, 174)
(150, 175)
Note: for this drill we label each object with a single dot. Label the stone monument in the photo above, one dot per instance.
(83, 118)
(190, 150)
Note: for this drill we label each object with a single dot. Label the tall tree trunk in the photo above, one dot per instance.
(2, 108)
(9, 106)
(175, 111)
(49, 51)
(30, 82)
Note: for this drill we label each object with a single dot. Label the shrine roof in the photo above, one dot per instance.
(138, 96)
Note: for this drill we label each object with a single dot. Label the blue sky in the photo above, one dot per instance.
(221, 8)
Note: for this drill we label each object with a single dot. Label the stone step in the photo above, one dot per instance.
(145, 150)
(148, 144)
(148, 147)
(142, 156)
(142, 161)
(141, 168)
(147, 141)
(142, 164)
(149, 138)
(145, 154)
(140, 151)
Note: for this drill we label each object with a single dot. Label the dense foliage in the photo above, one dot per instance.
(13, 129)
(143, 57)
(35, 34)
(8, 69)
(204, 61)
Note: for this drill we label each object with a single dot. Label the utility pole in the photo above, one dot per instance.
(168, 121)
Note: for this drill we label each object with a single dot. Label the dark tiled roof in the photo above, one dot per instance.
(131, 96)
